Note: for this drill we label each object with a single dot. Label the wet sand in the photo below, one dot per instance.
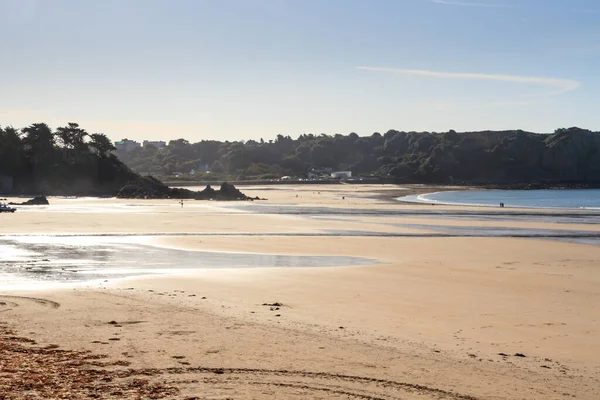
(433, 317)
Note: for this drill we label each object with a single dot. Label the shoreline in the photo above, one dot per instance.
(421, 199)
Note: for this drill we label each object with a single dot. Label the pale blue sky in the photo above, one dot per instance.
(241, 69)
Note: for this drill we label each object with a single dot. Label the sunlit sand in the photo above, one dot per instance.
(335, 305)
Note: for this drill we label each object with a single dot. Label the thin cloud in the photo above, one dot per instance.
(471, 4)
(558, 85)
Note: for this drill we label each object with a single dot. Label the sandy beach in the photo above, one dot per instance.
(434, 303)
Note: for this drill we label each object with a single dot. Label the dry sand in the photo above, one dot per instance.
(450, 318)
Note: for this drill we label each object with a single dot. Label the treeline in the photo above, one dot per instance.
(67, 160)
(501, 157)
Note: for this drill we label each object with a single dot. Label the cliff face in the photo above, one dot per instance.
(572, 156)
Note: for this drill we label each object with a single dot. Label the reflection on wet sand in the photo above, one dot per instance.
(86, 258)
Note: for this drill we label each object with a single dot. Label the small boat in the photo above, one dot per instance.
(6, 208)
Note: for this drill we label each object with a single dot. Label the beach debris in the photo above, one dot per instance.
(113, 323)
(51, 373)
(178, 357)
(276, 304)
(520, 355)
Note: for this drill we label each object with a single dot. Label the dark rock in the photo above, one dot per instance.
(151, 188)
(520, 355)
(36, 201)
(276, 304)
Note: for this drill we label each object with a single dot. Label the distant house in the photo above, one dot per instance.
(319, 173)
(159, 144)
(127, 145)
(341, 175)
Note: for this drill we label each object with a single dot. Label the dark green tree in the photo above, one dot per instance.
(101, 144)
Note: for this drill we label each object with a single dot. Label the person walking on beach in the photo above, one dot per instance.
(181, 202)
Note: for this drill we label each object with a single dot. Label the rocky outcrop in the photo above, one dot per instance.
(226, 192)
(36, 201)
(152, 188)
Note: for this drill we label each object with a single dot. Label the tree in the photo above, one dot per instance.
(101, 144)
(71, 136)
(11, 151)
(38, 143)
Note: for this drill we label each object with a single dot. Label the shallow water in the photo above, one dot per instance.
(547, 198)
(70, 259)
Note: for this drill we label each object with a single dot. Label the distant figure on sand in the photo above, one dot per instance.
(181, 202)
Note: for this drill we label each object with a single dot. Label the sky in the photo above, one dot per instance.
(251, 69)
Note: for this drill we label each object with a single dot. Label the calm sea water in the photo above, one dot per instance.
(564, 198)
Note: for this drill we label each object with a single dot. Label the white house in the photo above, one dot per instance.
(341, 174)
(127, 145)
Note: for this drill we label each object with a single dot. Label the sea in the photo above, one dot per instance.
(588, 199)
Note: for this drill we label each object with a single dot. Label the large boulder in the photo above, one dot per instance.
(230, 192)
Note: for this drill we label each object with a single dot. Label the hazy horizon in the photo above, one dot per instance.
(251, 69)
